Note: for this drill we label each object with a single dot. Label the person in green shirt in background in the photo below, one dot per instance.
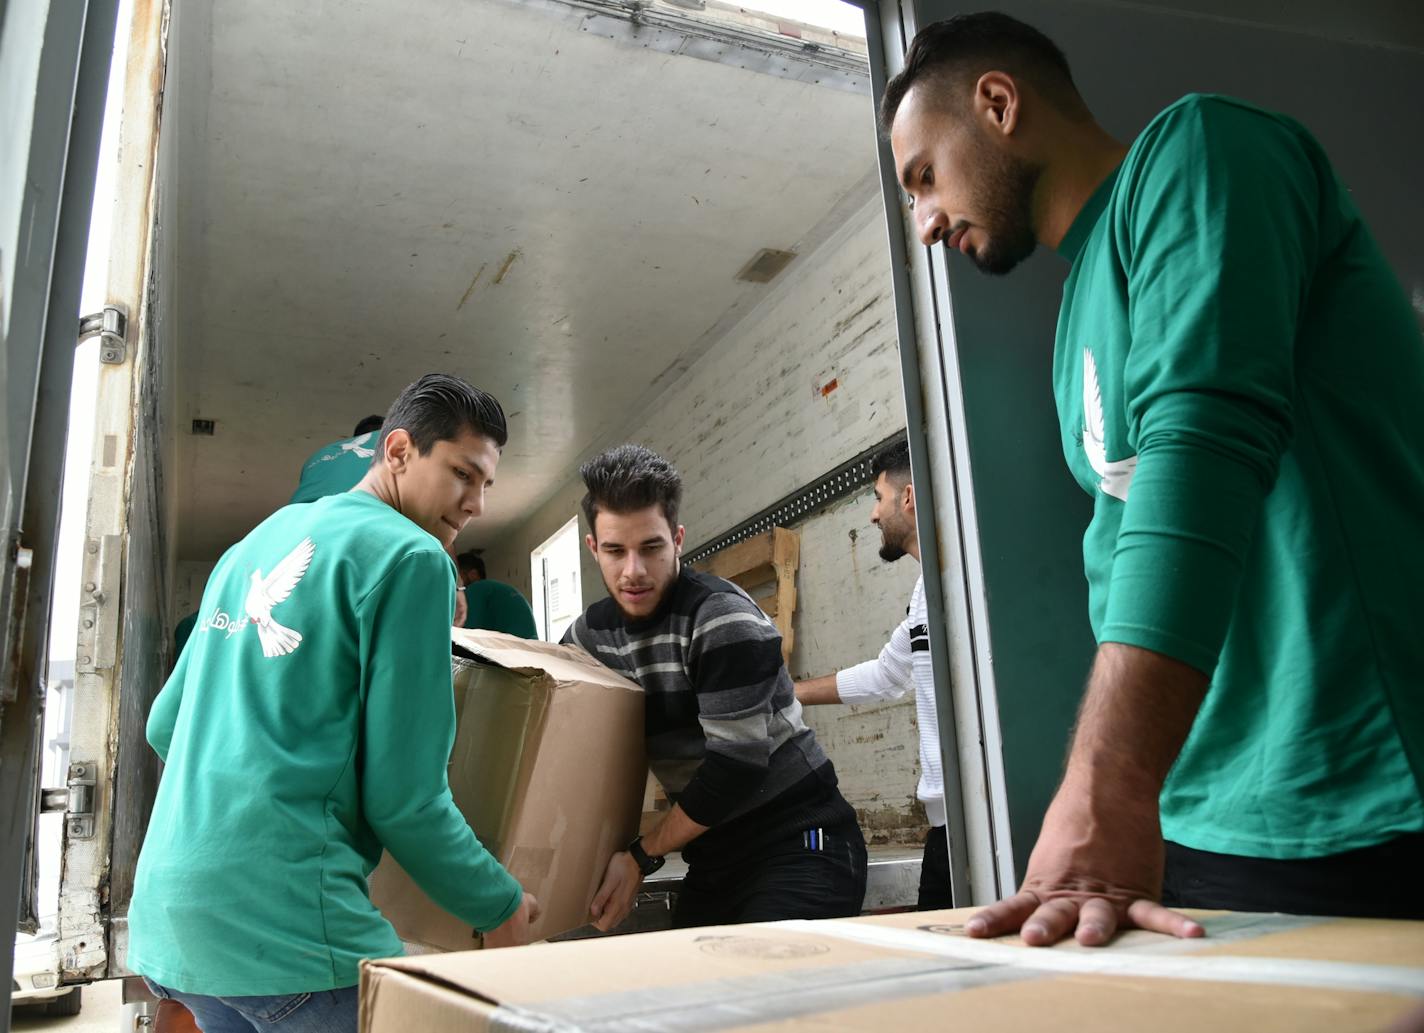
(307, 727)
(339, 466)
(493, 605)
(182, 633)
(1238, 376)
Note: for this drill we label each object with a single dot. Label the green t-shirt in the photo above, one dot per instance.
(1240, 382)
(336, 468)
(496, 606)
(295, 750)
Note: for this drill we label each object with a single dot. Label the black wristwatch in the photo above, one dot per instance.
(646, 864)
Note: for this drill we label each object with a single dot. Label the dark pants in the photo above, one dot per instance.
(819, 873)
(934, 872)
(1376, 882)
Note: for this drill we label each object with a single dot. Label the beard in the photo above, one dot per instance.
(893, 539)
(891, 551)
(1005, 204)
(657, 596)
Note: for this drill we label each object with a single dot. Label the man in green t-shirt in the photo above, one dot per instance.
(307, 727)
(1238, 377)
(339, 466)
(493, 605)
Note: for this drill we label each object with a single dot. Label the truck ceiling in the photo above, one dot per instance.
(506, 190)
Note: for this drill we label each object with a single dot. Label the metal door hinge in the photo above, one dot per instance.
(76, 801)
(111, 325)
(99, 605)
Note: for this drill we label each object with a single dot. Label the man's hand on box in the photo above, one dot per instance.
(615, 897)
(1097, 868)
(515, 930)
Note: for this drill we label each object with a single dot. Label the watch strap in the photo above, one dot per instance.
(647, 864)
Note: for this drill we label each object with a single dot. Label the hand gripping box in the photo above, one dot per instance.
(912, 972)
(548, 767)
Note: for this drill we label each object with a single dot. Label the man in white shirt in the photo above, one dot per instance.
(902, 664)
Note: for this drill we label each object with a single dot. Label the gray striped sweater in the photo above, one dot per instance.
(725, 734)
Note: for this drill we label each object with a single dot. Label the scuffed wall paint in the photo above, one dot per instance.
(751, 421)
(808, 379)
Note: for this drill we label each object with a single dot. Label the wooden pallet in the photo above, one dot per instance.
(765, 567)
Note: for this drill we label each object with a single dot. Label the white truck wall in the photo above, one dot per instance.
(190, 578)
(808, 379)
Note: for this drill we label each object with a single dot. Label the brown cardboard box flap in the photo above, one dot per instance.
(548, 767)
(920, 972)
(565, 664)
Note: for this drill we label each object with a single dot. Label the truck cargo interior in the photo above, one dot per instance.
(665, 229)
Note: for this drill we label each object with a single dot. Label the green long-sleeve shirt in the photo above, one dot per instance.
(1240, 383)
(307, 725)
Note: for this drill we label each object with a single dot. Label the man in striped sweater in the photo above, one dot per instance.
(756, 813)
(903, 663)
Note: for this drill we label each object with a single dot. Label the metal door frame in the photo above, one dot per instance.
(64, 150)
(90, 934)
(971, 741)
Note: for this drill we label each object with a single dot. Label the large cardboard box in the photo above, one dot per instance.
(903, 972)
(548, 768)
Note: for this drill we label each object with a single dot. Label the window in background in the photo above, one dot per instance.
(554, 582)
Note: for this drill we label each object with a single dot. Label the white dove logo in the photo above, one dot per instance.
(1114, 477)
(272, 590)
(354, 445)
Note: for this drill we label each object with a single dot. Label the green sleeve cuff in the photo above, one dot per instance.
(516, 897)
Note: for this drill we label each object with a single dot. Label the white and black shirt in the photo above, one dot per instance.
(905, 661)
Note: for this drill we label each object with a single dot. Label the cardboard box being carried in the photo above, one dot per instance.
(916, 972)
(549, 770)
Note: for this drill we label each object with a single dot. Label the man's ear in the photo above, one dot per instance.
(592, 544)
(907, 498)
(996, 103)
(397, 449)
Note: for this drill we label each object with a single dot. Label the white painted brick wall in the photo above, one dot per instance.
(849, 602)
(805, 381)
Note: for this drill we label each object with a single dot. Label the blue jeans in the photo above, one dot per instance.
(322, 1011)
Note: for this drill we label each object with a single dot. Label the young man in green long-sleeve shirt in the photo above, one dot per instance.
(1238, 377)
(308, 726)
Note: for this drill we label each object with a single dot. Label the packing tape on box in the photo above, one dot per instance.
(1330, 975)
(942, 964)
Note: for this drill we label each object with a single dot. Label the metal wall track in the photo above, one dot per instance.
(805, 502)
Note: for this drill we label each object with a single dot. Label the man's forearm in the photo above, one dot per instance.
(1136, 714)
(674, 832)
(817, 690)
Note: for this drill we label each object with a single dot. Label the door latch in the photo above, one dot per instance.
(76, 800)
(111, 326)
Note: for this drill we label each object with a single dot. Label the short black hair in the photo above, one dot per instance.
(962, 48)
(472, 560)
(894, 460)
(367, 425)
(440, 407)
(629, 478)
